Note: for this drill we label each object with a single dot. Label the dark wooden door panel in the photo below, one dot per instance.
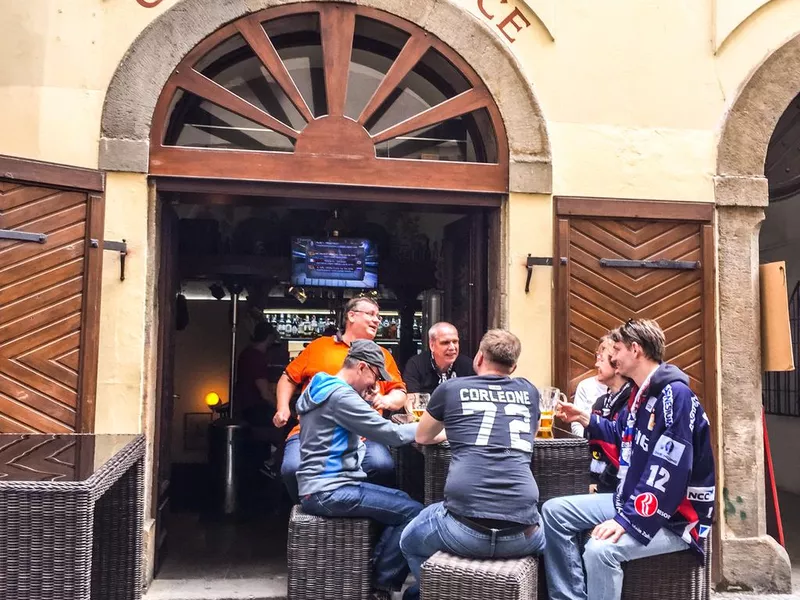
(43, 301)
(595, 298)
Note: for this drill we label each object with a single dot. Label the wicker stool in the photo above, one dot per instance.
(451, 577)
(675, 576)
(329, 559)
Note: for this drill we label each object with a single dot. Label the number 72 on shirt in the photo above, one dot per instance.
(516, 417)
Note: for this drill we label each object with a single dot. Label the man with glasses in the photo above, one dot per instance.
(330, 476)
(326, 355)
(664, 500)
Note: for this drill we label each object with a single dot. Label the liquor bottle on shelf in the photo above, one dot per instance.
(313, 326)
(294, 327)
(391, 331)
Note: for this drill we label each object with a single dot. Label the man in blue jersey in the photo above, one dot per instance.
(489, 508)
(664, 501)
(331, 478)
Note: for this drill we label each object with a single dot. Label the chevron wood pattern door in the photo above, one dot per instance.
(48, 303)
(594, 298)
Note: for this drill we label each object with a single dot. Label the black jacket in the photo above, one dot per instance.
(420, 376)
(605, 457)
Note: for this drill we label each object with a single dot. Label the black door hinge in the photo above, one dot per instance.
(621, 263)
(121, 247)
(22, 236)
(538, 261)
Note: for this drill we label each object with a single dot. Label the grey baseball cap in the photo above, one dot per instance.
(369, 352)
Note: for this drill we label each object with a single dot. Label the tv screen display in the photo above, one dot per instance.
(334, 262)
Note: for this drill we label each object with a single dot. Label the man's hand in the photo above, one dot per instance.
(608, 530)
(281, 417)
(572, 414)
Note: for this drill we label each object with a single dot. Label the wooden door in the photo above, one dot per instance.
(602, 283)
(168, 288)
(464, 303)
(51, 221)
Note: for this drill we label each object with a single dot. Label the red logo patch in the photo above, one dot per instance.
(646, 504)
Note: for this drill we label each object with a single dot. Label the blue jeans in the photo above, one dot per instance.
(377, 464)
(434, 529)
(393, 508)
(565, 519)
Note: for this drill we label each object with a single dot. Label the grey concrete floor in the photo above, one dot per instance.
(246, 559)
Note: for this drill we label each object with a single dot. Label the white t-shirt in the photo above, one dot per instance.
(586, 394)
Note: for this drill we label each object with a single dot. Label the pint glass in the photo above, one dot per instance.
(548, 398)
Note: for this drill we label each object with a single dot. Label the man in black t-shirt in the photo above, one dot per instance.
(429, 369)
(489, 508)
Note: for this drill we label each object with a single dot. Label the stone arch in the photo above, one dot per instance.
(140, 76)
(750, 557)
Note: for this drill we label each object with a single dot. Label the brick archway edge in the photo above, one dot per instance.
(140, 76)
(749, 557)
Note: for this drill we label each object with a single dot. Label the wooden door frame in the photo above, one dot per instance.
(703, 215)
(582, 207)
(92, 183)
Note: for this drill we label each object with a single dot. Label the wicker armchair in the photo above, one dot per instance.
(329, 559)
(437, 462)
(561, 467)
(409, 468)
(446, 577)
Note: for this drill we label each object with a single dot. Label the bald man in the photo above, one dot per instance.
(442, 362)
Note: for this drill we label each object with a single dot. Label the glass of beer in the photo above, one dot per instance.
(416, 405)
(548, 398)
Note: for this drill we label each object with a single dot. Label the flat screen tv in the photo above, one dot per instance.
(334, 262)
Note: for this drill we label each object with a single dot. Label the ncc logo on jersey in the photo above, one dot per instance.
(646, 504)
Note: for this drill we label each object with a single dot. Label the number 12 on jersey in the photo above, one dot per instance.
(516, 426)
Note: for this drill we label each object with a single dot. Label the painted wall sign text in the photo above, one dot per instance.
(514, 19)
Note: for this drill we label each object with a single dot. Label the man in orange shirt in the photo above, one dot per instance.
(327, 354)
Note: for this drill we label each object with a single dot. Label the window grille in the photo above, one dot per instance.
(781, 390)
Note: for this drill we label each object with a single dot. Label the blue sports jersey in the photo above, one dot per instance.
(490, 422)
(670, 479)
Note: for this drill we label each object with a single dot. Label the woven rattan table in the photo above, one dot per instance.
(71, 509)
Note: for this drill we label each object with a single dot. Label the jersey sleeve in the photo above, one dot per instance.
(397, 381)
(664, 481)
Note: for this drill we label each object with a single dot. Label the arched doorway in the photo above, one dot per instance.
(749, 556)
(333, 107)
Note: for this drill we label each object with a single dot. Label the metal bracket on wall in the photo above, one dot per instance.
(621, 263)
(22, 236)
(120, 247)
(538, 261)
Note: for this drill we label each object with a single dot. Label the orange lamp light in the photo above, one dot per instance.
(212, 399)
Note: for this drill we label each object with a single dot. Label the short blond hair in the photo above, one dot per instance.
(501, 347)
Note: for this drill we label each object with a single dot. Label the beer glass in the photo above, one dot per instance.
(548, 398)
(416, 405)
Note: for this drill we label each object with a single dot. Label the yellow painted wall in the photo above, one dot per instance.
(633, 93)
(529, 315)
(122, 381)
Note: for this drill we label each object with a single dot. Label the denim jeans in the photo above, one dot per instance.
(434, 529)
(393, 508)
(565, 519)
(377, 464)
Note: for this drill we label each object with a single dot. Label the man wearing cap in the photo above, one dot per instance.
(331, 481)
(326, 354)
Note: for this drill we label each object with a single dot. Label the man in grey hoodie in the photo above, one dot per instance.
(331, 481)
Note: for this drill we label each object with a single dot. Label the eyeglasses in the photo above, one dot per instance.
(377, 375)
(373, 315)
